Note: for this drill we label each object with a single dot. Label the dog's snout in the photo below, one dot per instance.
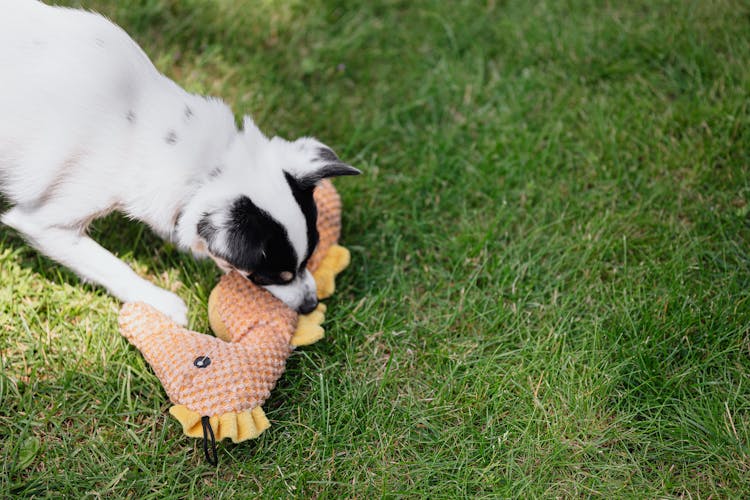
(300, 294)
(308, 306)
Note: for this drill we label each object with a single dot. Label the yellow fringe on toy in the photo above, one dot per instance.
(238, 427)
(309, 329)
(336, 260)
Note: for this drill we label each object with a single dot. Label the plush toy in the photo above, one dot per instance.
(218, 384)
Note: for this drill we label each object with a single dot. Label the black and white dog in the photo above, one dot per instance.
(88, 126)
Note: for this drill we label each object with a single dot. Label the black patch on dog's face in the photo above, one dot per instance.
(257, 244)
(304, 197)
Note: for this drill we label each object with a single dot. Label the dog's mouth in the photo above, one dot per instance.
(223, 264)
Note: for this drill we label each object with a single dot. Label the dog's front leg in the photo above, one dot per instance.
(93, 263)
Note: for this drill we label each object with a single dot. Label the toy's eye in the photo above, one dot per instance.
(202, 361)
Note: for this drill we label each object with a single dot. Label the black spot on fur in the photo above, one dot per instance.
(171, 138)
(188, 112)
(257, 243)
(304, 198)
(130, 117)
(215, 172)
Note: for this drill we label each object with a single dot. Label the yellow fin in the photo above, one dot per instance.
(308, 329)
(336, 260)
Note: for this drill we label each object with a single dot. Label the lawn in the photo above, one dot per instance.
(550, 279)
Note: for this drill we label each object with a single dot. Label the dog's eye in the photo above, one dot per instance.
(260, 280)
(286, 276)
(282, 278)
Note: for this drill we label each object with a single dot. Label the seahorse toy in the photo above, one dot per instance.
(218, 384)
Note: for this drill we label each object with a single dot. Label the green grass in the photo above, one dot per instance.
(551, 261)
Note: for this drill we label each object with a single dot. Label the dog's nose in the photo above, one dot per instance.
(308, 306)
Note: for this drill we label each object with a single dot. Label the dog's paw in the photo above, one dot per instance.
(167, 303)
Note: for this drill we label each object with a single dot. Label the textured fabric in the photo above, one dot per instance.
(240, 311)
(233, 376)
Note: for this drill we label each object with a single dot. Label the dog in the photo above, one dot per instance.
(89, 126)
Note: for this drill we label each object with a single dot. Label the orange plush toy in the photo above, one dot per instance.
(218, 384)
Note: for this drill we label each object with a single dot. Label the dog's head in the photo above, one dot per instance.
(256, 213)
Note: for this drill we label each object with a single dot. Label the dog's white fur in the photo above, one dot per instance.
(88, 125)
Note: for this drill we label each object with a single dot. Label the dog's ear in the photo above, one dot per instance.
(323, 163)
